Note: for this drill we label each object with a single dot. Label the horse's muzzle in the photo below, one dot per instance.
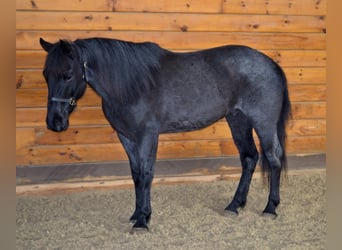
(57, 124)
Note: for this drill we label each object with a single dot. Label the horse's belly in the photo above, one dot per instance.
(192, 118)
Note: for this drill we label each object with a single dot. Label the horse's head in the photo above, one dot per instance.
(64, 75)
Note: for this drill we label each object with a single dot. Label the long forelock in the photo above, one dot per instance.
(125, 69)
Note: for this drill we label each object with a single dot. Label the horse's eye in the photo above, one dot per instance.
(67, 77)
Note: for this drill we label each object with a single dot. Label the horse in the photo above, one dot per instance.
(147, 90)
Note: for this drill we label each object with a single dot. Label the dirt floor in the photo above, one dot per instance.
(185, 216)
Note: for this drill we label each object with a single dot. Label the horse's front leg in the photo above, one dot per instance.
(142, 155)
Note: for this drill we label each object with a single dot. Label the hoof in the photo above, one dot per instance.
(139, 230)
(233, 209)
(232, 213)
(269, 215)
(132, 222)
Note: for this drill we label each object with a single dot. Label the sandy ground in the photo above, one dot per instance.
(185, 216)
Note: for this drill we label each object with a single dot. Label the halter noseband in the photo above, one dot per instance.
(72, 101)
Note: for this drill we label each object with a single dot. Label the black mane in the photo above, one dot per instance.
(125, 69)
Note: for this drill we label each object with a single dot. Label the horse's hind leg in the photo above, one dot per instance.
(242, 132)
(272, 153)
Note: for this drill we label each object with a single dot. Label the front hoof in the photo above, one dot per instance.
(132, 222)
(229, 212)
(233, 208)
(140, 225)
(138, 230)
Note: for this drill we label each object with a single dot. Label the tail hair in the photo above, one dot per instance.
(285, 116)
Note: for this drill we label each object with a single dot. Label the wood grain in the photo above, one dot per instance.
(33, 78)
(41, 136)
(184, 40)
(290, 7)
(93, 116)
(30, 98)
(285, 58)
(32, 20)
(166, 150)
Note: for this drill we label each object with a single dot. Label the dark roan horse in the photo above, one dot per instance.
(147, 90)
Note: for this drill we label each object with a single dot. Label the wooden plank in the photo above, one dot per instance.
(110, 152)
(28, 137)
(315, 127)
(93, 116)
(33, 79)
(290, 7)
(28, 98)
(25, 137)
(295, 58)
(185, 40)
(286, 58)
(307, 110)
(30, 79)
(71, 154)
(33, 20)
(188, 6)
(306, 145)
(307, 92)
(29, 60)
(306, 75)
(106, 134)
(26, 59)
(83, 116)
(166, 150)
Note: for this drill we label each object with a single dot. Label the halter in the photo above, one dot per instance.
(72, 100)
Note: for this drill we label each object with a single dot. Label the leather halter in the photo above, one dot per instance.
(72, 100)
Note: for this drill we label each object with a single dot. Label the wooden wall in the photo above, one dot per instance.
(292, 32)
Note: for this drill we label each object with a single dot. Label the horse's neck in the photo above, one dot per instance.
(100, 90)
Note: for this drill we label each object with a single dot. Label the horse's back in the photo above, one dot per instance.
(198, 88)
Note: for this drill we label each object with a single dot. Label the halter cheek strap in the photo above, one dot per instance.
(84, 75)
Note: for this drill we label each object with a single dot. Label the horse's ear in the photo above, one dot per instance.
(67, 48)
(45, 45)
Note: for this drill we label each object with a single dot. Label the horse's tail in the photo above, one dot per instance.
(284, 116)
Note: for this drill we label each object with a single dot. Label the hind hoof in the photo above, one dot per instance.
(269, 215)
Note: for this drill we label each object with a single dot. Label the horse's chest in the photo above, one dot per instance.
(124, 119)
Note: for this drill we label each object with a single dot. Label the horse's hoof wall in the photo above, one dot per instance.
(269, 215)
(138, 230)
(231, 213)
(132, 222)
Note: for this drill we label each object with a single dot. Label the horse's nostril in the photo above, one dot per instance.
(57, 124)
